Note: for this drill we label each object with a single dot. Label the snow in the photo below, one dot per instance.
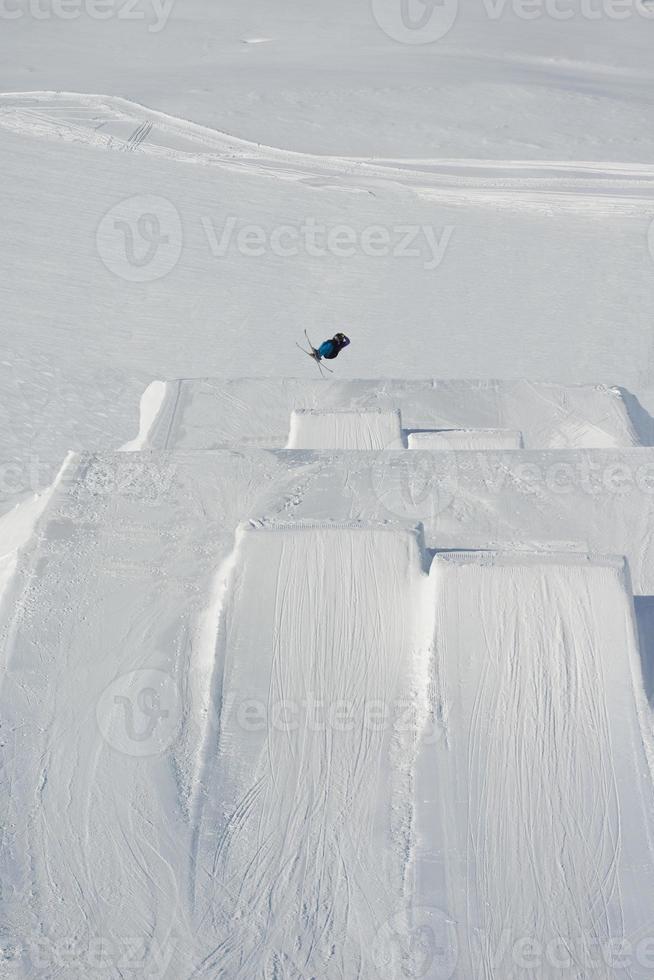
(304, 758)
(209, 413)
(117, 124)
(173, 551)
(346, 677)
(466, 439)
(536, 662)
(313, 429)
(151, 401)
(18, 525)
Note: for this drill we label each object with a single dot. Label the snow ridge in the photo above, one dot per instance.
(111, 122)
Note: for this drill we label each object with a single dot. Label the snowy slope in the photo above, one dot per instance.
(541, 863)
(550, 81)
(176, 758)
(118, 124)
(544, 288)
(186, 188)
(304, 812)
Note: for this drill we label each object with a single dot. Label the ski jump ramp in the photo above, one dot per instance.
(256, 413)
(481, 440)
(541, 819)
(361, 769)
(370, 430)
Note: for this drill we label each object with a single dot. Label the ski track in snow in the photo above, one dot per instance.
(299, 847)
(91, 842)
(549, 705)
(114, 123)
(292, 883)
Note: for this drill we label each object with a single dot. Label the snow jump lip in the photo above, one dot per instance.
(111, 122)
(505, 558)
(364, 429)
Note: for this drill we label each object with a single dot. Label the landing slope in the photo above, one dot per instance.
(306, 807)
(543, 802)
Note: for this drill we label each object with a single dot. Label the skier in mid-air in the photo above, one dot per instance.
(332, 348)
(329, 349)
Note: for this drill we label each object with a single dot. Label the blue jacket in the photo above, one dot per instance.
(331, 348)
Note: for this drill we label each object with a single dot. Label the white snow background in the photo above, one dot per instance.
(465, 188)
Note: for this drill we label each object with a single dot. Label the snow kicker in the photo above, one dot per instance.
(292, 752)
(315, 429)
(210, 414)
(478, 439)
(302, 755)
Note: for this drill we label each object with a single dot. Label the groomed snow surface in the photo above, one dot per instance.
(311, 679)
(321, 724)
(212, 413)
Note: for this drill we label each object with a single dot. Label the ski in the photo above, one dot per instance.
(315, 358)
(314, 355)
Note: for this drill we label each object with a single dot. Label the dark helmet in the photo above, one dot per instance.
(341, 339)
